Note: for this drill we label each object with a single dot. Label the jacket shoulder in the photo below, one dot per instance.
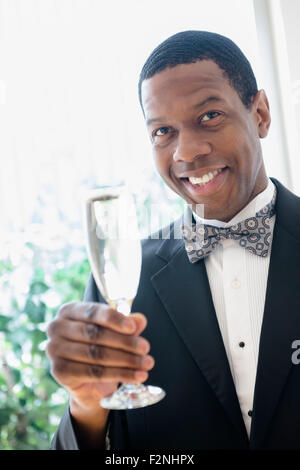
(287, 209)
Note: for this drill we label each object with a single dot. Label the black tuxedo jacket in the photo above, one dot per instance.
(201, 408)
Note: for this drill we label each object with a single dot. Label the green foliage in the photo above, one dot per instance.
(41, 270)
(70, 282)
(31, 402)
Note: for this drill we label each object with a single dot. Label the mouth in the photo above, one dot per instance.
(207, 183)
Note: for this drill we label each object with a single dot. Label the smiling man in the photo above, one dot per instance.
(205, 141)
(220, 304)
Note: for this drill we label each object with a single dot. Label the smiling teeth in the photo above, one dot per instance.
(205, 178)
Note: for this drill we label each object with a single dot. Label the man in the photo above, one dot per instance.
(220, 313)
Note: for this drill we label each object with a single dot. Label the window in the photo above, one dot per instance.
(70, 116)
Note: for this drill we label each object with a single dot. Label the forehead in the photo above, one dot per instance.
(184, 83)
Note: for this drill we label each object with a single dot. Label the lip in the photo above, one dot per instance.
(209, 188)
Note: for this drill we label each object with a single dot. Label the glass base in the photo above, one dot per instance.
(130, 396)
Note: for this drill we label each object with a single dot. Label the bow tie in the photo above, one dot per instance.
(253, 234)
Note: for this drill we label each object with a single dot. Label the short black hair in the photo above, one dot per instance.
(192, 46)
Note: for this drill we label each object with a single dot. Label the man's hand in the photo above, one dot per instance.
(92, 348)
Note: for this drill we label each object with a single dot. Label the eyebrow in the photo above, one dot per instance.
(196, 106)
(208, 99)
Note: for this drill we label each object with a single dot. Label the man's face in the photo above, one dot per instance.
(206, 143)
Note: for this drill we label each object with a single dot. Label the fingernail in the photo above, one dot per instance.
(141, 375)
(129, 324)
(143, 346)
(148, 361)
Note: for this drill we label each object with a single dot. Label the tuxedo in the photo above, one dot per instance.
(201, 409)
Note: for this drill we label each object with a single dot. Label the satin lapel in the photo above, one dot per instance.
(184, 290)
(281, 321)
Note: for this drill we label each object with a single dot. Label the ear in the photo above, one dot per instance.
(261, 112)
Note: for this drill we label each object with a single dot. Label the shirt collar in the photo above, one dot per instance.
(261, 200)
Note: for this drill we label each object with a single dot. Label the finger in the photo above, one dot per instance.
(75, 374)
(94, 354)
(140, 322)
(98, 313)
(95, 334)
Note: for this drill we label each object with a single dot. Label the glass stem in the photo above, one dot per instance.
(124, 306)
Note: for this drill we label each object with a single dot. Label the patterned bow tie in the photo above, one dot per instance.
(253, 234)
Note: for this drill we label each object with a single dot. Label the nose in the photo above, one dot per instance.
(191, 145)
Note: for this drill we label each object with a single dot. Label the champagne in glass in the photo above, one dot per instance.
(114, 252)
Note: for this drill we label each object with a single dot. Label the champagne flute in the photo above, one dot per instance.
(114, 252)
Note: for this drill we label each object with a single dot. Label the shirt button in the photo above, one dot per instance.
(236, 284)
(241, 344)
(250, 413)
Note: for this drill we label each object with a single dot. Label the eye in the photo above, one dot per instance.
(209, 116)
(161, 131)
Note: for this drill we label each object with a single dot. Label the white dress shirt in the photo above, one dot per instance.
(238, 281)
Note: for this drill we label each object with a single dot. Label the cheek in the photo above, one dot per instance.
(247, 156)
(252, 158)
(162, 163)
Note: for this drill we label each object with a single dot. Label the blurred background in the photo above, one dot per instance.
(70, 120)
